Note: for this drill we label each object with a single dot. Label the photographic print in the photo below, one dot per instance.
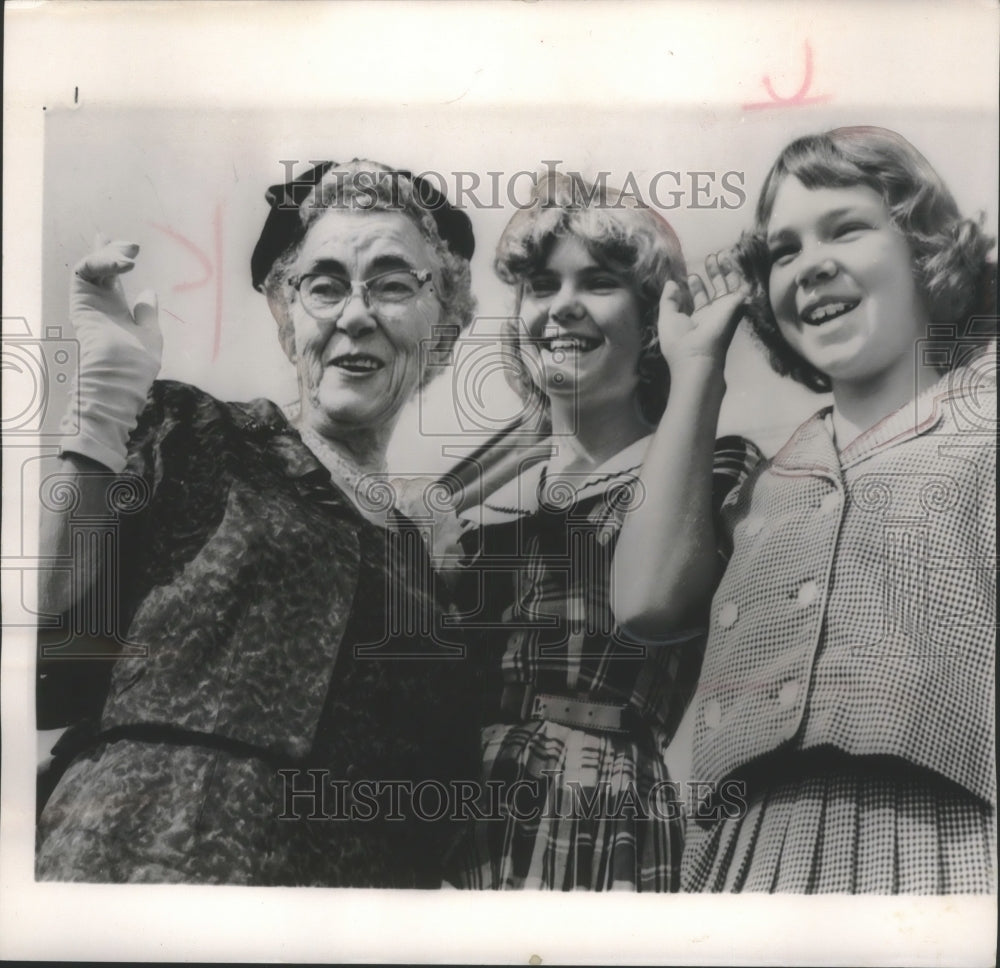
(460, 456)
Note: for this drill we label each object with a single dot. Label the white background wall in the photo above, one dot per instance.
(188, 185)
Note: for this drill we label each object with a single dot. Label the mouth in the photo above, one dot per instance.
(818, 313)
(357, 364)
(567, 343)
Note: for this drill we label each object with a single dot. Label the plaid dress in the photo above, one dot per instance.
(848, 685)
(572, 808)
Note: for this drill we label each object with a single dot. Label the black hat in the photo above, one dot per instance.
(283, 226)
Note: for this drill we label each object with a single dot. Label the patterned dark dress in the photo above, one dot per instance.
(265, 605)
(572, 808)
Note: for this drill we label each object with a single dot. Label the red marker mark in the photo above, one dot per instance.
(799, 97)
(210, 269)
(169, 313)
(217, 237)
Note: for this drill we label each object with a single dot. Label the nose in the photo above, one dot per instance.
(565, 303)
(356, 317)
(816, 266)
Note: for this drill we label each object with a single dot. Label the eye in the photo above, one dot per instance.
(327, 288)
(395, 287)
(782, 253)
(850, 230)
(542, 286)
(604, 283)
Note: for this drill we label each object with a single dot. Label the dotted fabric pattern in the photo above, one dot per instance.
(868, 826)
(859, 612)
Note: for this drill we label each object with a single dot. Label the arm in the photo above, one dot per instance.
(119, 359)
(74, 566)
(665, 564)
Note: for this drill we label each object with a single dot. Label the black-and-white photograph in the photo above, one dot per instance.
(460, 456)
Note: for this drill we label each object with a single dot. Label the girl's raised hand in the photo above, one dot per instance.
(705, 333)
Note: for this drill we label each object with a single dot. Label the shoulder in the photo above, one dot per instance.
(182, 403)
(186, 433)
(968, 399)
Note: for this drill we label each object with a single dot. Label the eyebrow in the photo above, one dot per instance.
(592, 270)
(860, 209)
(382, 263)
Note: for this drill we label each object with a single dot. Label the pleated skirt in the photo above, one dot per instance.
(866, 825)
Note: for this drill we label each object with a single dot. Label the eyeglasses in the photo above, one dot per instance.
(324, 296)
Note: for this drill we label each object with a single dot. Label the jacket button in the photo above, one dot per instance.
(727, 615)
(808, 593)
(788, 693)
(712, 714)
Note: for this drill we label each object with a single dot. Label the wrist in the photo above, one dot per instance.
(704, 374)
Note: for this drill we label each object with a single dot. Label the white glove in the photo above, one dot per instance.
(119, 356)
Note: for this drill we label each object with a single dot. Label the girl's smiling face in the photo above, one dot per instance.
(584, 320)
(842, 285)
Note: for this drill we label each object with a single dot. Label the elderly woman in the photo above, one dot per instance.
(275, 716)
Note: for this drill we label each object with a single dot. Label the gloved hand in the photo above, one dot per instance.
(119, 355)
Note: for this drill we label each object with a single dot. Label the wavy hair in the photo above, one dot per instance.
(368, 186)
(949, 253)
(616, 230)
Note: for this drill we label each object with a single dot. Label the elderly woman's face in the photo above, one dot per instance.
(358, 347)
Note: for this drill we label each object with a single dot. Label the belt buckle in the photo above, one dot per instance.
(530, 704)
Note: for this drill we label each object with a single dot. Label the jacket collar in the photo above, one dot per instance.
(811, 448)
(268, 427)
(519, 497)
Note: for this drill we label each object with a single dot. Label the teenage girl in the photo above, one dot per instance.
(848, 683)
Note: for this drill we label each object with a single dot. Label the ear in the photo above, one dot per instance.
(286, 328)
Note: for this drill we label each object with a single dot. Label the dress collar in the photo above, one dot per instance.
(520, 496)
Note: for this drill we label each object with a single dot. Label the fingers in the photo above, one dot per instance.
(723, 273)
(716, 278)
(699, 291)
(674, 318)
(724, 278)
(672, 298)
(147, 308)
(146, 313)
(733, 277)
(107, 262)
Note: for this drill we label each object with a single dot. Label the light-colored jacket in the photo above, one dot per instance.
(859, 607)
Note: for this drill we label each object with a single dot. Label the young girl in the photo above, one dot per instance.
(848, 681)
(578, 793)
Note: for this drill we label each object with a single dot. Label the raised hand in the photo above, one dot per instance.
(706, 332)
(97, 298)
(120, 350)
